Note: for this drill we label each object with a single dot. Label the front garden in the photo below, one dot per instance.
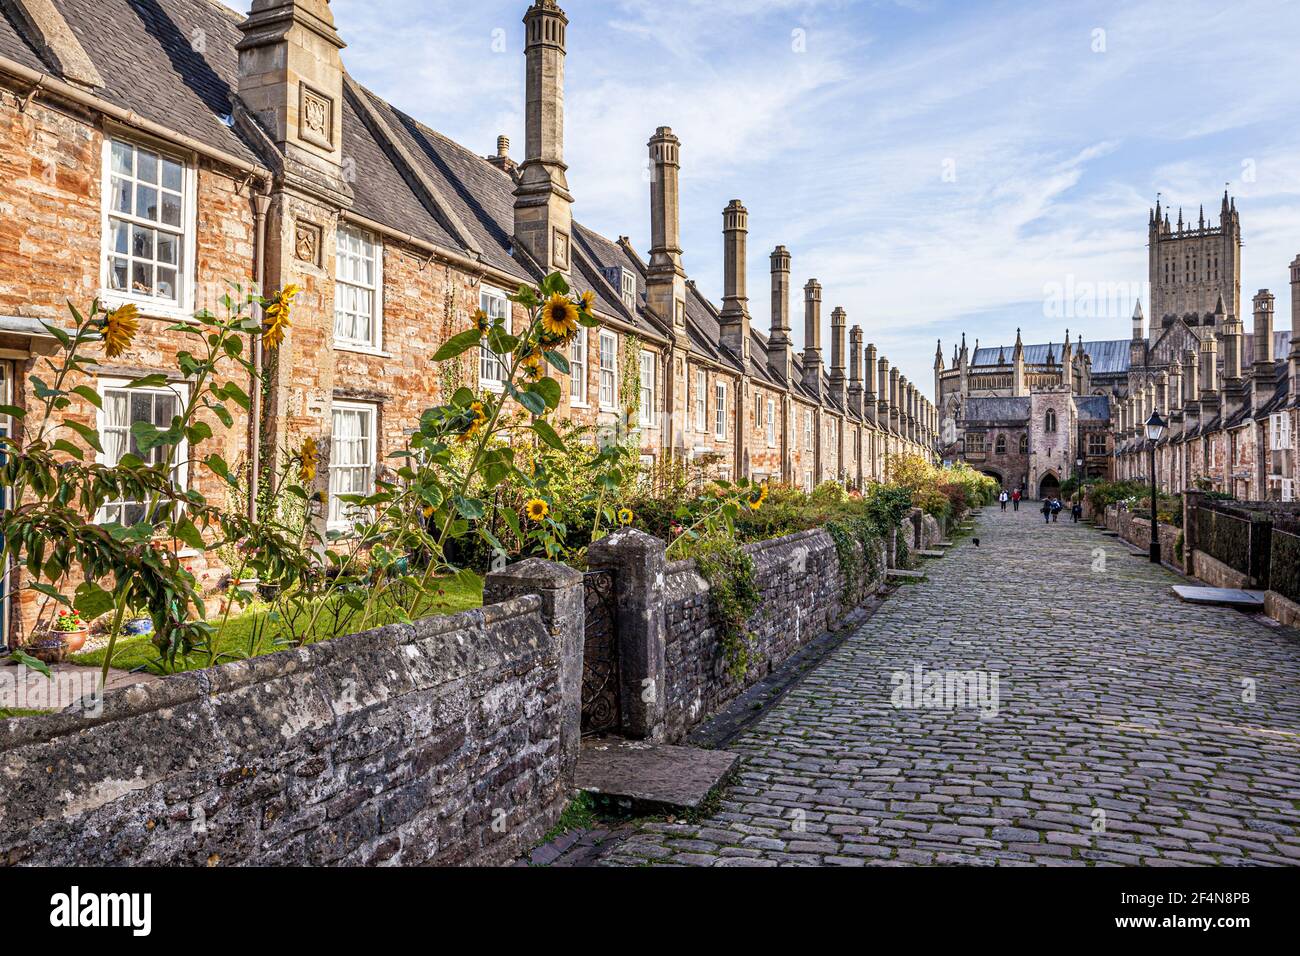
(484, 480)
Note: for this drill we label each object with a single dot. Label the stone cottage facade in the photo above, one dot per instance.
(159, 153)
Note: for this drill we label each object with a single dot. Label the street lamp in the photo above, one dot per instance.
(1155, 431)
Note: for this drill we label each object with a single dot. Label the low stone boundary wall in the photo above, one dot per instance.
(804, 593)
(1136, 531)
(450, 741)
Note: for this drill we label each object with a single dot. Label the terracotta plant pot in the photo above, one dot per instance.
(74, 639)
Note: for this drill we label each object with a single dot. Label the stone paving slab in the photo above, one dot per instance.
(652, 776)
(1222, 597)
(1126, 728)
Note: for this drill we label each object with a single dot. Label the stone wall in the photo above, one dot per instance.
(1137, 532)
(803, 595)
(442, 742)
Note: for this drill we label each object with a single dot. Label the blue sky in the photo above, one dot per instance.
(939, 166)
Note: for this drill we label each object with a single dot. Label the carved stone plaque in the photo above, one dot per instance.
(315, 117)
(307, 242)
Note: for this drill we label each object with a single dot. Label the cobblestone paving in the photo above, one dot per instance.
(1121, 735)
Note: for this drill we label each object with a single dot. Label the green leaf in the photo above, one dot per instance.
(531, 401)
(64, 445)
(90, 395)
(462, 398)
(549, 389)
(548, 434)
(186, 531)
(50, 592)
(236, 394)
(457, 345)
(146, 435)
(148, 381)
(470, 508)
(91, 600)
(88, 434)
(500, 341)
(558, 361)
(13, 411)
(30, 662)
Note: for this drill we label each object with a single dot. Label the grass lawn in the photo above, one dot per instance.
(252, 634)
(7, 713)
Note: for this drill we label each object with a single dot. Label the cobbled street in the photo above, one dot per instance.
(1125, 730)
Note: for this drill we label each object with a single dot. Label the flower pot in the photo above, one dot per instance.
(50, 650)
(74, 639)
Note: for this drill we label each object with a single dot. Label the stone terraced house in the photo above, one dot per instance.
(157, 151)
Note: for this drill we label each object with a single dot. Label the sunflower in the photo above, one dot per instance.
(482, 321)
(536, 510)
(276, 319)
(531, 363)
(587, 300)
(120, 327)
(559, 317)
(757, 503)
(309, 459)
(625, 516)
(478, 417)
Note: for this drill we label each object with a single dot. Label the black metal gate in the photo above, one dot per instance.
(600, 682)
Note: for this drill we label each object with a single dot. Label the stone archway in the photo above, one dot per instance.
(995, 475)
(1049, 486)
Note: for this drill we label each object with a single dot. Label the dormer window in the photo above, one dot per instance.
(625, 282)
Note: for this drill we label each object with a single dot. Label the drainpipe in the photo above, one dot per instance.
(261, 203)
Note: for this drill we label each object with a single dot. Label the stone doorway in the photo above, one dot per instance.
(1049, 487)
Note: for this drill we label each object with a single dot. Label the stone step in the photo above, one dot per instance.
(899, 574)
(930, 554)
(944, 544)
(641, 777)
(1221, 597)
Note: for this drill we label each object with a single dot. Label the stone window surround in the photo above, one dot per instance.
(183, 308)
(376, 345)
(720, 411)
(646, 413)
(702, 401)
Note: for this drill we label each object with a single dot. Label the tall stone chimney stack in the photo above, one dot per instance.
(665, 276)
(870, 396)
(543, 204)
(1264, 376)
(884, 393)
(839, 321)
(812, 336)
(855, 370)
(734, 319)
(291, 78)
(780, 348)
(1295, 324)
(895, 400)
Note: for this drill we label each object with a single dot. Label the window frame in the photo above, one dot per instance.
(376, 345)
(183, 306)
(720, 411)
(178, 390)
(372, 414)
(578, 371)
(612, 404)
(649, 393)
(770, 423)
(485, 382)
(702, 401)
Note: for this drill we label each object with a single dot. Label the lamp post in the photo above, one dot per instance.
(1155, 431)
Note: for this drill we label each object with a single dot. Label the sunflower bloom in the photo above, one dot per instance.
(276, 319)
(537, 510)
(625, 516)
(308, 461)
(482, 321)
(478, 418)
(120, 327)
(560, 317)
(587, 300)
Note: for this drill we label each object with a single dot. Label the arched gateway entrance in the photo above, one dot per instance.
(1049, 487)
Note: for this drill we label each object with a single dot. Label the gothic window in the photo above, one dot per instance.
(1049, 425)
(1000, 446)
(975, 443)
(1024, 444)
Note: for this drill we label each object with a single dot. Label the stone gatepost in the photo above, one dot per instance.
(563, 613)
(917, 517)
(1192, 500)
(639, 565)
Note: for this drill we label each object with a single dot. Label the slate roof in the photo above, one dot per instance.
(144, 51)
(1108, 357)
(1011, 409)
(1093, 408)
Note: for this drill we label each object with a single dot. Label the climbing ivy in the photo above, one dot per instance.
(857, 544)
(731, 576)
(629, 388)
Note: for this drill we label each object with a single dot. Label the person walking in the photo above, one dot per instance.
(1015, 500)
(1056, 509)
(1004, 498)
(1077, 511)
(1047, 511)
